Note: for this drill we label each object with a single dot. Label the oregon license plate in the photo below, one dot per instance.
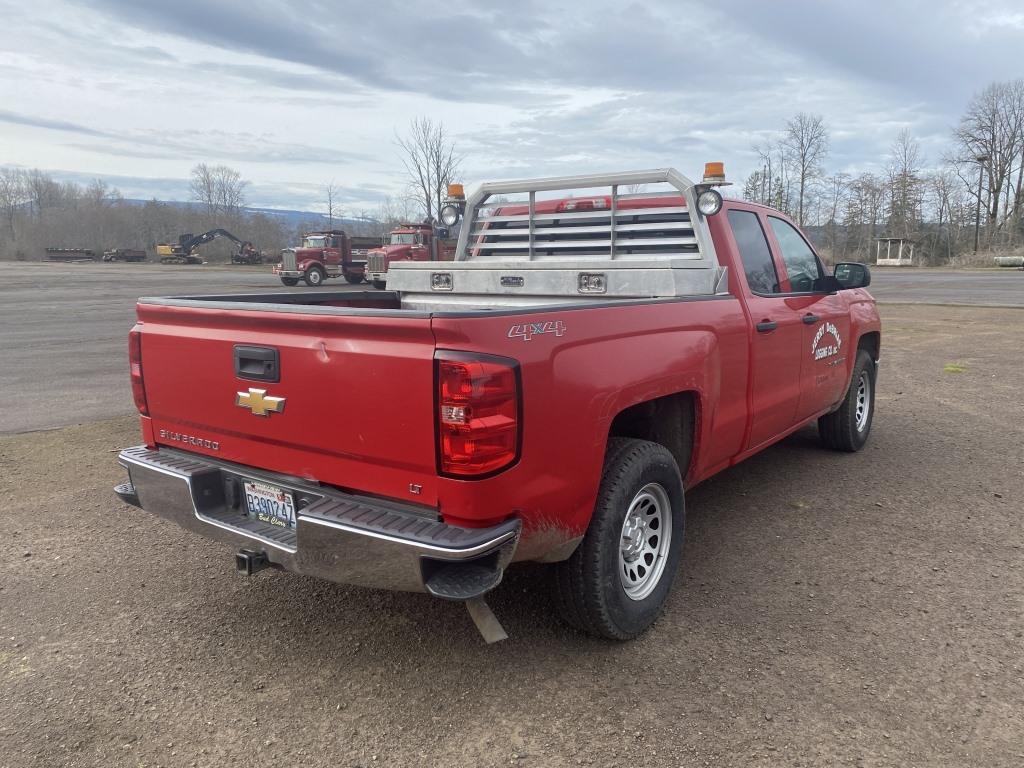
(269, 504)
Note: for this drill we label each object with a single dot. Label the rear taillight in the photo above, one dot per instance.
(135, 365)
(477, 413)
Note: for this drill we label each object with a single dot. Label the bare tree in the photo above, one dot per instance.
(43, 191)
(838, 185)
(806, 144)
(771, 183)
(13, 195)
(203, 187)
(219, 189)
(230, 190)
(905, 185)
(331, 191)
(991, 135)
(430, 161)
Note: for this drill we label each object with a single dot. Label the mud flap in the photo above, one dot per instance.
(485, 620)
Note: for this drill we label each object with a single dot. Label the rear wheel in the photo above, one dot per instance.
(380, 285)
(290, 281)
(616, 581)
(847, 428)
(354, 279)
(314, 277)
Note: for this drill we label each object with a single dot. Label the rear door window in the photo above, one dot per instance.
(802, 265)
(754, 252)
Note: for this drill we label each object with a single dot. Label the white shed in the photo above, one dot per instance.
(899, 252)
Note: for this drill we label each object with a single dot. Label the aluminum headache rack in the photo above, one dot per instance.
(543, 246)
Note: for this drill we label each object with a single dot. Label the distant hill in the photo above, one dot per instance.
(289, 218)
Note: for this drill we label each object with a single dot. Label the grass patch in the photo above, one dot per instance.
(954, 367)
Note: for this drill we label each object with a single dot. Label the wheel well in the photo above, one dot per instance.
(668, 421)
(872, 342)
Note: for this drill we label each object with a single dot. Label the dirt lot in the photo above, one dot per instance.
(831, 609)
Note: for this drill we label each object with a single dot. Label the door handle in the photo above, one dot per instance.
(810, 319)
(766, 326)
(257, 363)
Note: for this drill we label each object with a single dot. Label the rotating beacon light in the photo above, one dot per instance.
(709, 200)
(454, 206)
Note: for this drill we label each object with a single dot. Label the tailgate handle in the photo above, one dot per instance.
(257, 363)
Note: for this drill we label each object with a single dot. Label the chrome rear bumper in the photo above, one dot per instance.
(339, 537)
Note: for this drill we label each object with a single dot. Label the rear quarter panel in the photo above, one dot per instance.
(574, 384)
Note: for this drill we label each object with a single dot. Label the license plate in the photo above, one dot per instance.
(269, 504)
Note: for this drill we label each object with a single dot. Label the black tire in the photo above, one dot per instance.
(590, 593)
(354, 279)
(290, 281)
(847, 428)
(380, 285)
(314, 277)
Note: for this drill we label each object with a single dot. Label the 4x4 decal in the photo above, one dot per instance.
(527, 331)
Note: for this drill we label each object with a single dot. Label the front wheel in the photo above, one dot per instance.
(314, 277)
(847, 428)
(617, 580)
(290, 281)
(380, 285)
(354, 279)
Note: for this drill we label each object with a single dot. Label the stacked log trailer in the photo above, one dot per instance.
(70, 254)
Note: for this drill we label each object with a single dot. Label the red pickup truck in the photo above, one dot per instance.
(546, 396)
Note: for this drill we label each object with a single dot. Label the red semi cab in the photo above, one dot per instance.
(324, 254)
(546, 396)
(406, 242)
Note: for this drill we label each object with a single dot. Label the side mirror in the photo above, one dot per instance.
(851, 274)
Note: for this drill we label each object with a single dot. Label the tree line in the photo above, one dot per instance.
(40, 212)
(37, 212)
(975, 189)
(970, 199)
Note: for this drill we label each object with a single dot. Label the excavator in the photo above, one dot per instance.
(185, 251)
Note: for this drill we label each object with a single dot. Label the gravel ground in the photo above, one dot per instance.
(831, 609)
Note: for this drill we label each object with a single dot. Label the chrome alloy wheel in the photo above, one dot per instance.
(644, 542)
(863, 402)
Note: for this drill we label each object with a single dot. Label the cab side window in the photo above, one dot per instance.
(754, 252)
(802, 265)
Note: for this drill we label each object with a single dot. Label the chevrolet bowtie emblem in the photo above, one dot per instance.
(261, 404)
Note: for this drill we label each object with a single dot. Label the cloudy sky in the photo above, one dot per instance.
(297, 94)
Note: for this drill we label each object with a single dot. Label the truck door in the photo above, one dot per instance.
(419, 250)
(332, 255)
(776, 336)
(825, 351)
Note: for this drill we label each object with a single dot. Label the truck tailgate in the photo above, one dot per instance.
(357, 391)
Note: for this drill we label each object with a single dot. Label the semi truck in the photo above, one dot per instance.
(548, 395)
(407, 242)
(325, 254)
(124, 254)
